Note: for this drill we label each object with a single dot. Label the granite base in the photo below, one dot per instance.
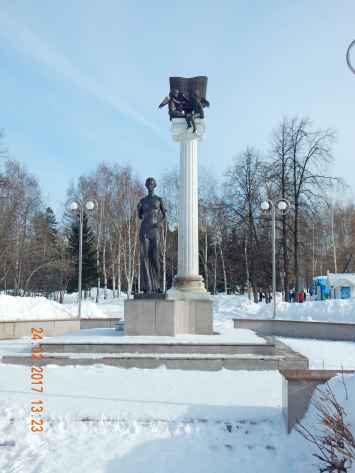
(167, 317)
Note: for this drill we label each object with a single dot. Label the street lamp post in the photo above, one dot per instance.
(283, 207)
(75, 205)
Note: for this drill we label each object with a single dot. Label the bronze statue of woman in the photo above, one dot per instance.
(149, 209)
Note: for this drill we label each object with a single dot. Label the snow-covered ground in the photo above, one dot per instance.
(332, 355)
(232, 306)
(31, 308)
(106, 420)
(225, 309)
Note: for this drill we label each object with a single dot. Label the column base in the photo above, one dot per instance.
(189, 283)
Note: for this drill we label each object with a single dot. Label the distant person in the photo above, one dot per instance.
(261, 295)
(304, 295)
(301, 297)
(311, 292)
(289, 297)
(293, 296)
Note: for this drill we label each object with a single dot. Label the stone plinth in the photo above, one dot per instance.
(188, 278)
(164, 317)
(174, 295)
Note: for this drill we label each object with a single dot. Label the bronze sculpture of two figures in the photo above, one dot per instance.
(187, 98)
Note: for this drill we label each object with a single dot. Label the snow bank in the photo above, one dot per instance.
(325, 311)
(225, 309)
(30, 308)
(232, 306)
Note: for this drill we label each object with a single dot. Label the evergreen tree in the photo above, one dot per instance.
(89, 268)
(50, 228)
(45, 249)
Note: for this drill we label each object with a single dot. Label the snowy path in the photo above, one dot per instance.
(106, 420)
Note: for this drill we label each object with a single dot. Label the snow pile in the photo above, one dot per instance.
(232, 306)
(31, 308)
(326, 311)
(225, 308)
(109, 307)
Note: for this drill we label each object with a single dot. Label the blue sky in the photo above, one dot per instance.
(81, 80)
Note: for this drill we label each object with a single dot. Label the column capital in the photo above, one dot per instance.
(179, 132)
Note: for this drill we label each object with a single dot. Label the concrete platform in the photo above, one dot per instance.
(177, 362)
(300, 328)
(232, 350)
(160, 348)
(109, 341)
(10, 329)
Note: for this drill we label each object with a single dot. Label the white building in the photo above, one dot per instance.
(341, 285)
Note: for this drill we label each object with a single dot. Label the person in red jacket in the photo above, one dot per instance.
(301, 297)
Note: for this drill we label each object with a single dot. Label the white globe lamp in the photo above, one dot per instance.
(89, 205)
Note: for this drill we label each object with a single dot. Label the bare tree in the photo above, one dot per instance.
(207, 192)
(279, 171)
(244, 184)
(311, 155)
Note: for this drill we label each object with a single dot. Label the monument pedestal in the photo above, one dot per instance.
(168, 314)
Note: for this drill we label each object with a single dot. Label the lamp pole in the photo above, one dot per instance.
(283, 207)
(77, 205)
(81, 216)
(273, 263)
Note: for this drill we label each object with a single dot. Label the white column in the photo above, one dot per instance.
(188, 278)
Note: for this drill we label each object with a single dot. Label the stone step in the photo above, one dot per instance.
(200, 362)
(160, 348)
